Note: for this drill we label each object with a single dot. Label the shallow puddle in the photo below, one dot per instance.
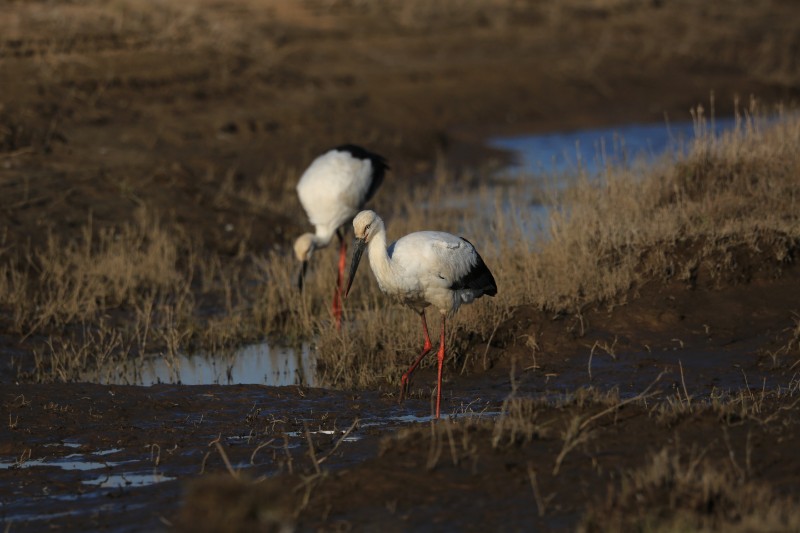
(256, 364)
(75, 461)
(127, 480)
(87, 469)
(389, 421)
(592, 149)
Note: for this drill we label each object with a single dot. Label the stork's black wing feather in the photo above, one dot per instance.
(479, 277)
(379, 165)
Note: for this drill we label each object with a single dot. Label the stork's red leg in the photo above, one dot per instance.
(337, 295)
(441, 362)
(426, 348)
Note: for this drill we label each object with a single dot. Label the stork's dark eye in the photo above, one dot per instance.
(366, 228)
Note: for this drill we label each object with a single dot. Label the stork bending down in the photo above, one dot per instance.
(332, 190)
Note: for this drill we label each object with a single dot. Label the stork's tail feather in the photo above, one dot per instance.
(479, 278)
(484, 280)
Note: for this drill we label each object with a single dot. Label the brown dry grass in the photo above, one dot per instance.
(679, 491)
(610, 235)
(146, 287)
(605, 237)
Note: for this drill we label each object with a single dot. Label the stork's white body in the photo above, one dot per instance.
(333, 189)
(422, 269)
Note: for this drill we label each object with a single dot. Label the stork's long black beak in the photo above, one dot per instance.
(301, 275)
(358, 249)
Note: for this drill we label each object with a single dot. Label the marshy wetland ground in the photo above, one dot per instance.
(638, 369)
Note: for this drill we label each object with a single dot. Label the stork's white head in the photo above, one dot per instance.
(304, 246)
(366, 224)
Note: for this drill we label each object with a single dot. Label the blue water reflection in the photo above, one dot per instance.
(591, 150)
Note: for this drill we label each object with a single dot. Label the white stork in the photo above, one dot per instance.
(332, 190)
(421, 269)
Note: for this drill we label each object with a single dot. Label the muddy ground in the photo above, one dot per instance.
(380, 465)
(114, 111)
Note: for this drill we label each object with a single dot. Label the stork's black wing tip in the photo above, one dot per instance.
(359, 152)
(379, 163)
(491, 291)
(479, 278)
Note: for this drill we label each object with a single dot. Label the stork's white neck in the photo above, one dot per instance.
(379, 259)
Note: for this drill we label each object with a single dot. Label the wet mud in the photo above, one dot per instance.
(83, 456)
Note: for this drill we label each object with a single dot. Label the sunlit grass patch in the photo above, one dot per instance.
(67, 282)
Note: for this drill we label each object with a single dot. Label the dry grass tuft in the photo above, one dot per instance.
(518, 424)
(731, 408)
(685, 492)
(63, 283)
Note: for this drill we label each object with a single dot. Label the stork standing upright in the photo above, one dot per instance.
(421, 269)
(332, 190)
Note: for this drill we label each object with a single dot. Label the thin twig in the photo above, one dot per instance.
(575, 434)
(311, 452)
(263, 444)
(203, 464)
(640, 396)
(683, 383)
(537, 494)
(221, 450)
(591, 354)
(341, 439)
(747, 385)
(289, 460)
